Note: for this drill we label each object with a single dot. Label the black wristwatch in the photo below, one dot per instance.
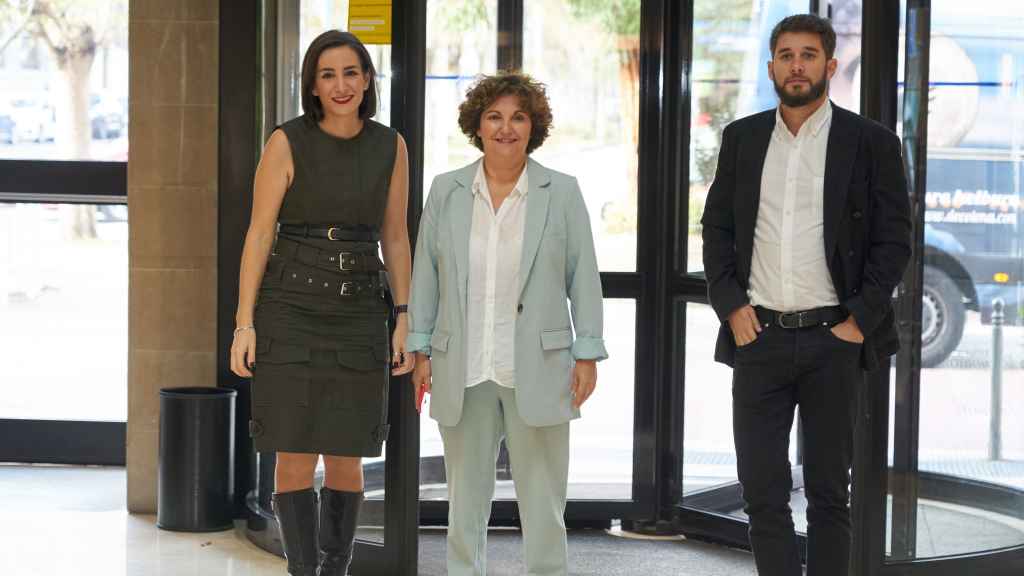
(401, 309)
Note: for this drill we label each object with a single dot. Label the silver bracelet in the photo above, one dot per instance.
(243, 328)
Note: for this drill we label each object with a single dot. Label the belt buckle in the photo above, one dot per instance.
(341, 260)
(780, 319)
(330, 233)
(348, 289)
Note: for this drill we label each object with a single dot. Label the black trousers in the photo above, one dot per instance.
(813, 369)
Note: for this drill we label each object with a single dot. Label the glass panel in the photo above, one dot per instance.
(372, 514)
(588, 55)
(709, 456)
(601, 442)
(844, 88)
(64, 310)
(973, 261)
(60, 107)
(461, 43)
(730, 81)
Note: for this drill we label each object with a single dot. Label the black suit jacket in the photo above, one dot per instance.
(866, 223)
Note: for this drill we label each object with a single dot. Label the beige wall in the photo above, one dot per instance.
(172, 202)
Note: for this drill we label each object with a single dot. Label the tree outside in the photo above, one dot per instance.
(73, 34)
(58, 101)
(621, 20)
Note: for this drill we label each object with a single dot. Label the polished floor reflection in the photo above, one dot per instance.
(72, 520)
(943, 529)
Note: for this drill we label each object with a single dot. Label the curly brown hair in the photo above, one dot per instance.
(532, 97)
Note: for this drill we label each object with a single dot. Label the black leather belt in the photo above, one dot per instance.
(345, 233)
(312, 281)
(353, 260)
(827, 316)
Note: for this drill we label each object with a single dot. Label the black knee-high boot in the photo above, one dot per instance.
(296, 516)
(339, 516)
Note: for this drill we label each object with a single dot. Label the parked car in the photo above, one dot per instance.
(31, 119)
(112, 212)
(6, 128)
(106, 116)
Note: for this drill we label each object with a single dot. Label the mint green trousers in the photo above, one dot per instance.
(540, 470)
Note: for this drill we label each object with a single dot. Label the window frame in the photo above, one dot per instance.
(63, 441)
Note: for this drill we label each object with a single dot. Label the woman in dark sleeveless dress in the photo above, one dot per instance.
(313, 309)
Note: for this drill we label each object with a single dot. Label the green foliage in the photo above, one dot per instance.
(721, 109)
(461, 16)
(620, 17)
(722, 10)
(718, 102)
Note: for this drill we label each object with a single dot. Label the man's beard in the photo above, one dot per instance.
(803, 98)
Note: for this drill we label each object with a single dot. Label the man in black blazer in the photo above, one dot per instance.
(806, 234)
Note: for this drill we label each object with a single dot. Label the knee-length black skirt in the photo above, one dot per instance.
(322, 361)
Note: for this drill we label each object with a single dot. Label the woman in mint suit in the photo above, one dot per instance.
(506, 320)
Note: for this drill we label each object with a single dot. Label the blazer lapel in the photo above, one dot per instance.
(843, 138)
(750, 165)
(460, 221)
(754, 164)
(536, 217)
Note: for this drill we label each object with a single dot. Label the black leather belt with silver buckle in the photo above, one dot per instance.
(364, 260)
(341, 233)
(311, 281)
(826, 316)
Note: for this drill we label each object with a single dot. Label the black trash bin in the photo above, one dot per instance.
(196, 478)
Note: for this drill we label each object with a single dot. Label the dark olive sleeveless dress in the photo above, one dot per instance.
(322, 361)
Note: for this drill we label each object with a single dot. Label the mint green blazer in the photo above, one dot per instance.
(559, 283)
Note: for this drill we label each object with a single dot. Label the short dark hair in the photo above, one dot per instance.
(532, 97)
(806, 23)
(335, 39)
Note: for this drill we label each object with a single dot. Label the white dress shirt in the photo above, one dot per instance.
(495, 253)
(788, 271)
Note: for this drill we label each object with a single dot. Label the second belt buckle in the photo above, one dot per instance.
(342, 261)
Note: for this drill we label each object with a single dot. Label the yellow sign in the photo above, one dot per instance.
(370, 20)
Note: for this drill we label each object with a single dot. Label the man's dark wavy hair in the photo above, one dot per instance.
(806, 23)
